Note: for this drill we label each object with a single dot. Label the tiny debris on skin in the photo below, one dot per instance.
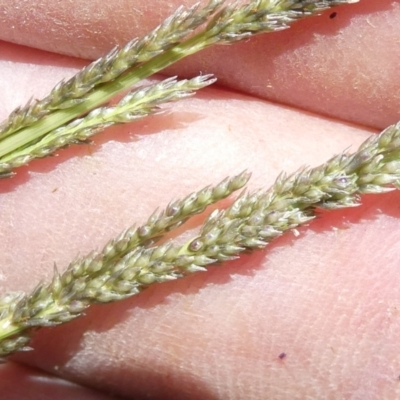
(282, 356)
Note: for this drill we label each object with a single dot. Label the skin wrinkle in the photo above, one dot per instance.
(43, 386)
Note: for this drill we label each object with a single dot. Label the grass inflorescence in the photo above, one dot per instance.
(80, 107)
(132, 261)
(136, 104)
(173, 40)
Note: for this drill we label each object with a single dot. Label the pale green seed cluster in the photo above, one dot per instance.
(95, 277)
(72, 92)
(234, 23)
(131, 262)
(71, 113)
(39, 121)
(137, 104)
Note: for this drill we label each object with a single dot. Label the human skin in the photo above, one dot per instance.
(328, 299)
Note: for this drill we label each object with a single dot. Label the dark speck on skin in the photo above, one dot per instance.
(282, 356)
(333, 15)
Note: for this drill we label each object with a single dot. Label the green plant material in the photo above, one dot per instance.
(135, 105)
(95, 267)
(66, 94)
(131, 262)
(126, 266)
(169, 43)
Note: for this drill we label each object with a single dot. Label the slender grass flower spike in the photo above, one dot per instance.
(83, 106)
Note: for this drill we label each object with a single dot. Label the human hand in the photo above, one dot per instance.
(327, 299)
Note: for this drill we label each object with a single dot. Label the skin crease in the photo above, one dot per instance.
(328, 299)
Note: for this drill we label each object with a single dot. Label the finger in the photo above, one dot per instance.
(20, 382)
(344, 67)
(327, 300)
(188, 148)
(314, 317)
